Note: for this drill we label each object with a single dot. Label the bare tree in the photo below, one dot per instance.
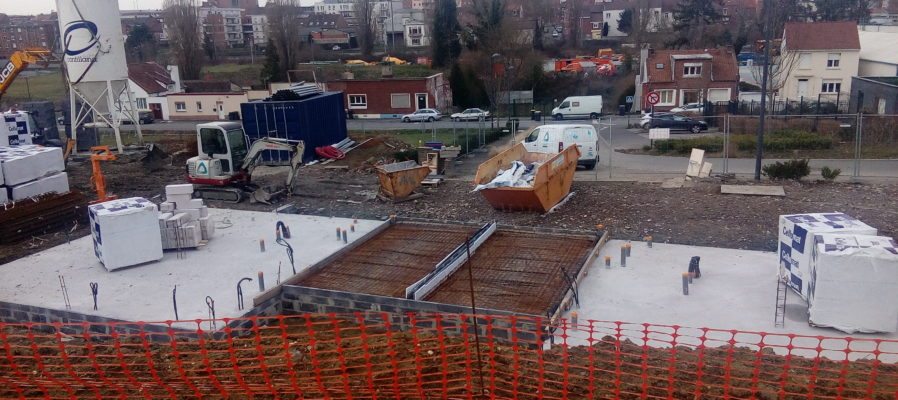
(575, 10)
(366, 26)
(781, 66)
(283, 30)
(183, 24)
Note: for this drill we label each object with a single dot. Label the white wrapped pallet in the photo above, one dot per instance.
(22, 164)
(853, 285)
(125, 232)
(17, 129)
(56, 183)
(796, 238)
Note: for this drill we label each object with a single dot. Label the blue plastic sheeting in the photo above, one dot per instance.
(318, 120)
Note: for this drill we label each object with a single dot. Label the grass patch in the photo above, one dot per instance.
(416, 138)
(43, 87)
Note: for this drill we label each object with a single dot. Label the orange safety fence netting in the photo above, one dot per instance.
(388, 356)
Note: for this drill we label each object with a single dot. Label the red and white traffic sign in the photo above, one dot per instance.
(653, 98)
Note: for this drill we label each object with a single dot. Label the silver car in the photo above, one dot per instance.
(424, 114)
(471, 114)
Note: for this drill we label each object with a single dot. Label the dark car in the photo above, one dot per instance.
(677, 122)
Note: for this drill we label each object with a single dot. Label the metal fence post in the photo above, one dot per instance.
(857, 146)
(726, 143)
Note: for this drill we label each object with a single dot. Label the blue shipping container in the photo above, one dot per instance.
(319, 120)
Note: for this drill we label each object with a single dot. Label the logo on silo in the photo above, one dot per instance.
(79, 37)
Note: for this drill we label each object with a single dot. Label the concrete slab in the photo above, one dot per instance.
(753, 190)
(144, 293)
(673, 183)
(737, 290)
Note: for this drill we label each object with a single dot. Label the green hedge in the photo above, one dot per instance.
(784, 140)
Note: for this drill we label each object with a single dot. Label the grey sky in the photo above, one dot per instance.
(25, 7)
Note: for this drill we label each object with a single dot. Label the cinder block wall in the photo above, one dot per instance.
(299, 299)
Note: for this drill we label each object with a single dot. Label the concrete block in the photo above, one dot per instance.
(204, 212)
(179, 189)
(15, 131)
(196, 203)
(207, 227)
(125, 232)
(4, 195)
(58, 183)
(193, 214)
(182, 201)
(167, 207)
(21, 164)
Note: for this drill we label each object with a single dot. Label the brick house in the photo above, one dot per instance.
(393, 97)
(690, 76)
(18, 32)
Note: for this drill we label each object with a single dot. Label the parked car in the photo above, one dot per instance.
(676, 122)
(471, 114)
(554, 138)
(691, 108)
(424, 114)
(143, 117)
(647, 117)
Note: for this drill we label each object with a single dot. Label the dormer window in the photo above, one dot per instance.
(692, 70)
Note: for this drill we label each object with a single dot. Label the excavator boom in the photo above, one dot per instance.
(18, 61)
(296, 150)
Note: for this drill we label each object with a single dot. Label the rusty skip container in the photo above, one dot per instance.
(552, 180)
(399, 180)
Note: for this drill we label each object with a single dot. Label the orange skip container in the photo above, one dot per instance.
(551, 184)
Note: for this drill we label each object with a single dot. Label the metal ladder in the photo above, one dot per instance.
(779, 320)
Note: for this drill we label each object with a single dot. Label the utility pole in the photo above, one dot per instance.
(765, 77)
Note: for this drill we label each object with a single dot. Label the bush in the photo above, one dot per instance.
(830, 174)
(792, 169)
(785, 140)
(685, 146)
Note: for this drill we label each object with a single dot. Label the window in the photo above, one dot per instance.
(141, 103)
(692, 70)
(832, 60)
(400, 100)
(596, 25)
(358, 101)
(667, 97)
(804, 60)
(199, 106)
(607, 16)
(416, 42)
(725, 12)
(180, 106)
(832, 86)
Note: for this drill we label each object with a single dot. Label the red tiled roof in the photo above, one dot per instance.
(723, 64)
(151, 77)
(209, 87)
(840, 35)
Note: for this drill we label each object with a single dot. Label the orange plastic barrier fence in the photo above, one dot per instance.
(368, 356)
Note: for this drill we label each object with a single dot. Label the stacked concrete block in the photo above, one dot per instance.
(184, 221)
(56, 183)
(796, 241)
(854, 281)
(125, 232)
(16, 129)
(29, 171)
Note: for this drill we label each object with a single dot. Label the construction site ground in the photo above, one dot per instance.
(697, 214)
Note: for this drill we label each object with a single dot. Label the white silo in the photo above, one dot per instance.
(94, 55)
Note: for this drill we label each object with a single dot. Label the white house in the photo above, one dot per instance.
(660, 15)
(150, 83)
(822, 57)
(879, 54)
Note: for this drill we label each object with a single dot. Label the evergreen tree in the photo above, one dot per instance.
(841, 10)
(625, 22)
(209, 48)
(445, 45)
(458, 86)
(692, 18)
(141, 44)
(271, 71)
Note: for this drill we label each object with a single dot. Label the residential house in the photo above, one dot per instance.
(206, 101)
(609, 12)
(879, 56)
(689, 76)
(223, 25)
(875, 95)
(255, 29)
(884, 12)
(394, 27)
(152, 19)
(822, 56)
(149, 84)
(18, 32)
(393, 97)
(247, 5)
(333, 39)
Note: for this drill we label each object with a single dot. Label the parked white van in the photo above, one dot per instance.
(579, 107)
(554, 138)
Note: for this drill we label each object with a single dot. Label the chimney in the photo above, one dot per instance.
(386, 71)
(348, 75)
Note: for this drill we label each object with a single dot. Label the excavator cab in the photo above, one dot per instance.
(224, 144)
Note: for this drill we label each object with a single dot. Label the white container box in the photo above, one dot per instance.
(125, 232)
(796, 238)
(22, 164)
(854, 283)
(58, 183)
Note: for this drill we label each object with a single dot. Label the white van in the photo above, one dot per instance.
(579, 107)
(554, 138)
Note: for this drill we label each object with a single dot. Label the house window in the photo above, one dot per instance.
(607, 16)
(141, 103)
(596, 25)
(667, 97)
(831, 86)
(199, 106)
(832, 60)
(400, 100)
(692, 70)
(180, 106)
(358, 101)
(416, 42)
(804, 60)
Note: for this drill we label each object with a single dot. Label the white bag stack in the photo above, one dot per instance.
(853, 283)
(796, 238)
(184, 221)
(125, 232)
(28, 171)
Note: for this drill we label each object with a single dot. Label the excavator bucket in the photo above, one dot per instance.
(266, 194)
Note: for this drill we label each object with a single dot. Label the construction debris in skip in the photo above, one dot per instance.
(518, 175)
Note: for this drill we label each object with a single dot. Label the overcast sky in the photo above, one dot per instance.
(24, 7)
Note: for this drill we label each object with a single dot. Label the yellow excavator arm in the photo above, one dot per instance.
(18, 61)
